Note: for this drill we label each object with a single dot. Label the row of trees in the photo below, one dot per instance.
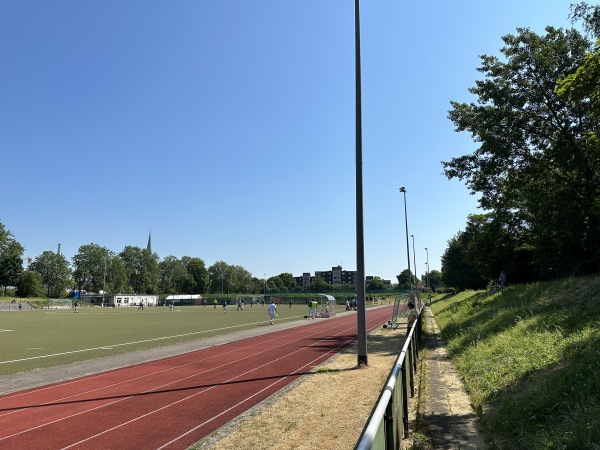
(134, 270)
(536, 170)
(406, 279)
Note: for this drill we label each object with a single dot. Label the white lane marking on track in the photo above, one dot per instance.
(153, 374)
(224, 351)
(320, 357)
(198, 393)
(250, 397)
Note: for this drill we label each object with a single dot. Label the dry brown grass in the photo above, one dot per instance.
(327, 409)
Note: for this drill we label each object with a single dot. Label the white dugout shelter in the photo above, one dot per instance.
(327, 305)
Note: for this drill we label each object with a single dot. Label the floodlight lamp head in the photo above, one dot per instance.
(402, 189)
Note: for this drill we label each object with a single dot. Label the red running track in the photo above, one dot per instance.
(174, 402)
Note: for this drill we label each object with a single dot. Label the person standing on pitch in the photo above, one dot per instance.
(313, 310)
(272, 312)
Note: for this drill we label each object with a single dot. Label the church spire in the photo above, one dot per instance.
(149, 246)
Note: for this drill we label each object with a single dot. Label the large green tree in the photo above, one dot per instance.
(174, 278)
(217, 274)
(90, 265)
(29, 284)
(457, 271)
(198, 275)
(376, 284)
(142, 269)
(405, 278)
(534, 165)
(435, 277)
(288, 281)
(240, 280)
(11, 258)
(54, 271)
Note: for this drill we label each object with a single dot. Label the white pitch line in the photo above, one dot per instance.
(104, 347)
(2, 331)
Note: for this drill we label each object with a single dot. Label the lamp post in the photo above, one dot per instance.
(428, 286)
(103, 281)
(415, 262)
(361, 314)
(403, 190)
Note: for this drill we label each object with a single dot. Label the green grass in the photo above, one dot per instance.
(45, 338)
(529, 356)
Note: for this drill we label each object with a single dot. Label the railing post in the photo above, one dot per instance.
(389, 424)
(404, 398)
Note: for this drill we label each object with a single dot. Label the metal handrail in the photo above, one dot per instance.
(379, 433)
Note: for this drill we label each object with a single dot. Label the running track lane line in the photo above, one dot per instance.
(162, 386)
(60, 385)
(312, 329)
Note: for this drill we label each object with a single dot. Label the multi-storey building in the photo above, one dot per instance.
(336, 277)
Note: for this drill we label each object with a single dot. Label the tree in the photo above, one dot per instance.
(376, 284)
(319, 284)
(54, 271)
(11, 267)
(198, 273)
(11, 262)
(435, 276)
(405, 278)
(216, 274)
(116, 275)
(142, 269)
(174, 278)
(90, 266)
(534, 165)
(276, 284)
(29, 284)
(288, 281)
(456, 270)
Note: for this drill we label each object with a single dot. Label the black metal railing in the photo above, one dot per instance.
(388, 422)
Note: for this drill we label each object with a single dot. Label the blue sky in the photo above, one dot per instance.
(227, 127)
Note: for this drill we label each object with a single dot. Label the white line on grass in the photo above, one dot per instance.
(104, 347)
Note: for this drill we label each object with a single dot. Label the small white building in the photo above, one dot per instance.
(117, 300)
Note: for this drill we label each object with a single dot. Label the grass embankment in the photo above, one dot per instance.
(529, 356)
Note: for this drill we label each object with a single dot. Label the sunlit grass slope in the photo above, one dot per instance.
(530, 359)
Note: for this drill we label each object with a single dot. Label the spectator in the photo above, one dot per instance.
(502, 279)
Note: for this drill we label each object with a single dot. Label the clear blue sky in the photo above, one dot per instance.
(227, 127)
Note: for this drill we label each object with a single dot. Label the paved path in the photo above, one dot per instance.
(445, 407)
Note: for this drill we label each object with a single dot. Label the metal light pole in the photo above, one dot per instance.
(403, 190)
(415, 261)
(428, 286)
(103, 281)
(361, 315)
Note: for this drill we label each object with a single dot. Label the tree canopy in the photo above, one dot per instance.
(54, 271)
(11, 262)
(536, 168)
